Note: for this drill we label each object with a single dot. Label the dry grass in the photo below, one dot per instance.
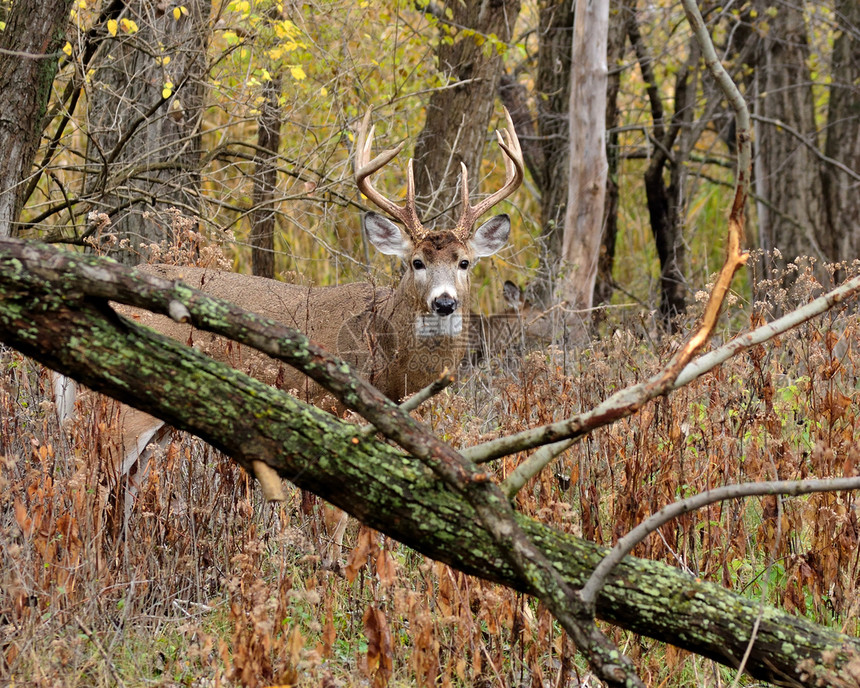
(196, 582)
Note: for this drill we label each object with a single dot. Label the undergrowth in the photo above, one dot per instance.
(176, 573)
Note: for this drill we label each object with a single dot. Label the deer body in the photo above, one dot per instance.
(399, 339)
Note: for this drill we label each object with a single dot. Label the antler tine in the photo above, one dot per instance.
(514, 172)
(364, 167)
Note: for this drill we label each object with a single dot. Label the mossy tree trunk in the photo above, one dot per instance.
(54, 307)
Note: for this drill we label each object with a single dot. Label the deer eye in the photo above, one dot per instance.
(418, 264)
(464, 264)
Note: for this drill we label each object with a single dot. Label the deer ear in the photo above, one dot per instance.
(491, 236)
(388, 238)
(513, 294)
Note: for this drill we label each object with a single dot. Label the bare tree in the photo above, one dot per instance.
(588, 167)
(144, 112)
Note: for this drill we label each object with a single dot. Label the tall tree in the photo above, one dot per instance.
(621, 13)
(145, 107)
(546, 137)
(841, 238)
(552, 83)
(583, 226)
(262, 236)
(458, 116)
(29, 49)
(788, 178)
(670, 150)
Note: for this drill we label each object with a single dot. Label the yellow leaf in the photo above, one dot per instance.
(111, 27)
(128, 25)
(67, 48)
(177, 13)
(298, 73)
(167, 90)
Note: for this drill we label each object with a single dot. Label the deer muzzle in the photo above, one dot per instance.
(445, 305)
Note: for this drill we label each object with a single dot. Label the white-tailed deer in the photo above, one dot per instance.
(399, 339)
(520, 327)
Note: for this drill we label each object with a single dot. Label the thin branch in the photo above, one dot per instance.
(413, 402)
(809, 144)
(761, 334)
(534, 465)
(626, 544)
(601, 415)
(431, 390)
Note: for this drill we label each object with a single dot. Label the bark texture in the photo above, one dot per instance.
(458, 118)
(789, 180)
(583, 226)
(54, 307)
(620, 14)
(30, 45)
(841, 232)
(262, 238)
(552, 83)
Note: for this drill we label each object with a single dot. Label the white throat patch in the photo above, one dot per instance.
(432, 325)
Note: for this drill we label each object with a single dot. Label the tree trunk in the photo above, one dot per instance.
(53, 306)
(666, 209)
(620, 13)
(455, 129)
(29, 46)
(262, 237)
(552, 83)
(583, 226)
(147, 100)
(840, 235)
(789, 181)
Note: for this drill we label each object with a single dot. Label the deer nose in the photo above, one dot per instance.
(444, 305)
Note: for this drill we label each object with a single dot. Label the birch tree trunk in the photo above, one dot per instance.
(588, 166)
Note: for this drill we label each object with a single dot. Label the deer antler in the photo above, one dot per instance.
(510, 145)
(364, 167)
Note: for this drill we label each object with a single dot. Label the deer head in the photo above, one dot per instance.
(438, 263)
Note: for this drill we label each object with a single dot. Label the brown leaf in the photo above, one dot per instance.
(380, 662)
(386, 568)
(25, 523)
(358, 556)
(329, 633)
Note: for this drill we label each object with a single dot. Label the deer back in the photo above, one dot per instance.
(389, 336)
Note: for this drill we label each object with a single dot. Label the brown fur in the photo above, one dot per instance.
(372, 328)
